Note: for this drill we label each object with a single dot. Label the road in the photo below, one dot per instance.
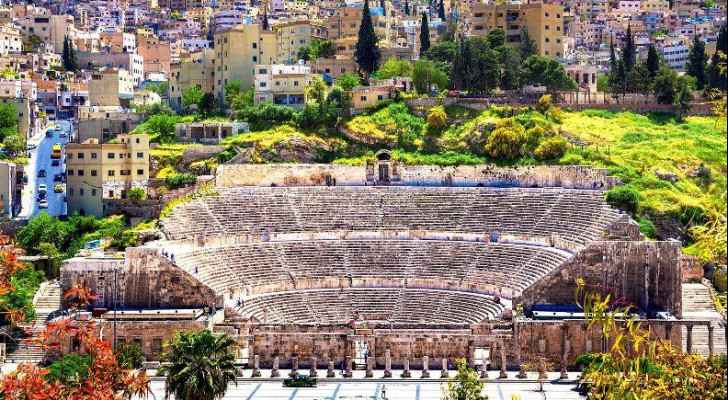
(40, 159)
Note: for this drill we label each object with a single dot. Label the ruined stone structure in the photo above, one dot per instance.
(386, 266)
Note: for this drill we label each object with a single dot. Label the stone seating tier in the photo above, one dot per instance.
(332, 306)
(578, 216)
(498, 268)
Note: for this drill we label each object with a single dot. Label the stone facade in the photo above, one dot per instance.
(575, 177)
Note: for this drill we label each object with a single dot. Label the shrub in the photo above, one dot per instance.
(137, 194)
(179, 180)
(544, 103)
(506, 141)
(624, 198)
(552, 148)
(719, 279)
(129, 356)
(69, 369)
(437, 118)
(265, 116)
(647, 228)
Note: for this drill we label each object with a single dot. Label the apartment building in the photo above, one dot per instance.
(543, 21)
(50, 29)
(156, 56)
(131, 62)
(11, 41)
(197, 69)
(290, 37)
(346, 21)
(99, 171)
(238, 51)
(111, 87)
(282, 84)
(11, 187)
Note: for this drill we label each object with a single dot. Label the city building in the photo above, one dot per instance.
(282, 84)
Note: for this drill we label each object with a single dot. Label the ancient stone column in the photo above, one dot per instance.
(690, 338)
(483, 370)
(256, 366)
(503, 362)
(330, 371)
(387, 364)
(313, 372)
(274, 373)
(564, 351)
(444, 372)
(668, 332)
(294, 367)
(406, 372)
(425, 367)
(349, 367)
(710, 340)
(370, 367)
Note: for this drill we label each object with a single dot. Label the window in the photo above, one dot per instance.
(156, 345)
(140, 155)
(264, 84)
(111, 193)
(546, 27)
(112, 172)
(255, 45)
(80, 156)
(70, 191)
(70, 172)
(93, 172)
(93, 192)
(80, 192)
(80, 172)
(262, 71)
(255, 59)
(93, 156)
(125, 172)
(137, 140)
(140, 172)
(295, 83)
(363, 98)
(112, 156)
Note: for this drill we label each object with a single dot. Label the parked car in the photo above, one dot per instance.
(42, 173)
(42, 188)
(57, 178)
(49, 133)
(300, 381)
(58, 188)
(62, 135)
(55, 163)
(43, 203)
(32, 147)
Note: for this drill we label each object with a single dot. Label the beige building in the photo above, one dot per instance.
(290, 37)
(282, 84)
(238, 51)
(111, 87)
(195, 70)
(10, 189)
(50, 29)
(544, 23)
(98, 171)
(11, 41)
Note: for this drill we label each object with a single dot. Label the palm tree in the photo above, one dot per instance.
(200, 365)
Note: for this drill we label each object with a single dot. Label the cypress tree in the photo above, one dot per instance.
(629, 54)
(653, 61)
(406, 8)
(527, 46)
(441, 10)
(424, 35)
(64, 56)
(722, 44)
(265, 24)
(716, 80)
(696, 62)
(367, 53)
(614, 82)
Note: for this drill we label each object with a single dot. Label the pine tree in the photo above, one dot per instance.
(653, 61)
(697, 61)
(441, 10)
(614, 77)
(716, 76)
(367, 53)
(722, 44)
(406, 8)
(65, 54)
(629, 53)
(528, 46)
(424, 35)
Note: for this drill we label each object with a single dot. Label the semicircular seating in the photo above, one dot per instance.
(477, 266)
(579, 216)
(336, 306)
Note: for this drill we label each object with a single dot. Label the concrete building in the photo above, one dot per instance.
(238, 51)
(282, 84)
(111, 87)
(157, 57)
(10, 40)
(98, 171)
(290, 37)
(10, 189)
(208, 132)
(543, 21)
(131, 62)
(195, 70)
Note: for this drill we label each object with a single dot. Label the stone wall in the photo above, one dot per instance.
(646, 274)
(144, 279)
(577, 177)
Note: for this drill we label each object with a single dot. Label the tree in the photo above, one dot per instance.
(528, 46)
(367, 53)
(466, 385)
(348, 81)
(615, 80)
(483, 71)
(684, 97)
(192, 96)
(551, 148)
(394, 67)
(137, 194)
(506, 141)
(232, 90)
(629, 50)
(697, 61)
(545, 71)
(441, 10)
(200, 365)
(315, 91)
(510, 69)
(665, 85)
(717, 78)
(437, 118)
(424, 35)
(161, 127)
(68, 57)
(443, 53)
(425, 75)
(653, 61)
(14, 144)
(624, 198)
(129, 355)
(496, 38)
